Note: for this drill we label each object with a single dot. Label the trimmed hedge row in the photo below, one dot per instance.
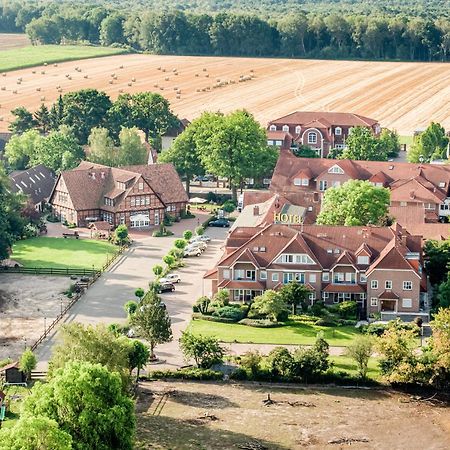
(191, 373)
(201, 316)
(261, 323)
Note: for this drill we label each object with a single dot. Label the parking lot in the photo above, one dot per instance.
(103, 302)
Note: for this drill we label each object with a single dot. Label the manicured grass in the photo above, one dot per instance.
(62, 253)
(34, 55)
(295, 333)
(349, 365)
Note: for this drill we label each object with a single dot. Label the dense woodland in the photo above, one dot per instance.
(409, 30)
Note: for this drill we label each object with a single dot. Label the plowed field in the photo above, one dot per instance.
(404, 96)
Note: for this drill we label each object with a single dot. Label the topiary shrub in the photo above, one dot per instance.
(326, 322)
(229, 312)
(261, 323)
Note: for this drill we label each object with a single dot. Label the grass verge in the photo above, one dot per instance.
(294, 333)
(34, 55)
(62, 253)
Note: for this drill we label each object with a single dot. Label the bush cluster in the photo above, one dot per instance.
(190, 373)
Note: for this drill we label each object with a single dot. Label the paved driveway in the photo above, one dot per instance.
(103, 302)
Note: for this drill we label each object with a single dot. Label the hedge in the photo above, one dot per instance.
(191, 373)
(260, 323)
(197, 315)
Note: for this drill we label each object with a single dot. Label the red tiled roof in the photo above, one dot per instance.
(211, 274)
(235, 284)
(389, 295)
(352, 288)
(332, 118)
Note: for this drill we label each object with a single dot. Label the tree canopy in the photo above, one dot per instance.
(361, 144)
(356, 202)
(429, 145)
(87, 401)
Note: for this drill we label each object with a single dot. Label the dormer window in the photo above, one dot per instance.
(442, 184)
(338, 131)
(286, 128)
(363, 260)
(298, 129)
(109, 201)
(312, 138)
(335, 169)
(273, 128)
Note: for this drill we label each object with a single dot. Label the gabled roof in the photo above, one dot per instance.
(304, 173)
(363, 247)
(388, 295)
(380, 177)
(345, 259)
(333, 118)
(37, 182)
(247, 256)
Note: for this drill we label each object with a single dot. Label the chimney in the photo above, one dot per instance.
(103, 175)
(92, 174)
(256, 210)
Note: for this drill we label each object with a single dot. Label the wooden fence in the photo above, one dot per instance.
(93, 275)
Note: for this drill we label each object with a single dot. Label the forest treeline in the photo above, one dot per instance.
(384, 34)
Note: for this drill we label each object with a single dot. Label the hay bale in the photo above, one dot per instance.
(130, 84)
(159, 68)
(204, 69)
(42, 99)
(251, 71)
(174, 70)
(69, 77)
(20, 78)
(45, 64)
(18, 82)
(113, 75)
(55, 65)
(121, 66)
(3, 88)
(33, 71)
(1, 119)
(163, 70)
(162, 88)
(197, 90)
(207, 75)
(42, 72)
(178, 96)
(155, 85)
(166, 79)
(3, 74)
(197, 75)
(14, 91)
(85, 76)
(38, 89)
(60, 90)
(120, 91)
(179, 91)
(110, 81)
(133, 80)
(176, 73)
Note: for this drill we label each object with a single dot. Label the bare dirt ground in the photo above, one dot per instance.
(226, 416)
(13, 40)
(404, 96)
(25, 300)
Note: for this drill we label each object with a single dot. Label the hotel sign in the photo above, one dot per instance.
(290, 219)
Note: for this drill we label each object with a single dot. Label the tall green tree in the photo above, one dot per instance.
(19, 150)
(32, 433)
(356, 202)
(101, 147)
(204, 350)
(430, 145)
(23, 121)
(11, 222)
(84, 110)
(111, 30)
(184, 155)
(361, 144)
(234, 146)
(27, 362)
(87, 401)
(437, 260)
(58, 151)
(390, 143)
(152, 322)
(42, 119)
(93, 345)
(138, 357)
(131, 149)
(271, 304)
(295, 294)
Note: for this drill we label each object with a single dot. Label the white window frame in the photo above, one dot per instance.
(226, 274)
(298, 129)
(363, 260)
(297, 181)
(252, 274)
(275, 277)
(273, 128)
(374, 284)
(362, 278)
(141, 186)
(326, 276)
(338, 131)
(407, 285)
(312, 137)
(373, 301)
(285, 128)
(325, 295)
(312, 278)
(305, 181)
(408, 303)
(335, 169)
(388, 284)
(262, 275)
(237, 274)
(323, 185)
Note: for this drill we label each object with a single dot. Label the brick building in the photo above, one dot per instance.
(137, 196)
(319, 130)
(420, 193)
(379, 268)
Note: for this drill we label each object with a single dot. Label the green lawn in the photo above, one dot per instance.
(62, 253)
(349, 365)
(34, 55)
(296, 333)
(408, 140)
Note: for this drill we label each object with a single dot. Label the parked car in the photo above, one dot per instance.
(171, 278)
(198, 244)
(191, 251)
(225, 223)
(201, 238)
(166, 287)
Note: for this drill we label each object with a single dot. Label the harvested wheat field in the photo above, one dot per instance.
(187, 415)
(404, 96)
(13, 40)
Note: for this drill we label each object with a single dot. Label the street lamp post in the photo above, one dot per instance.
(45, 325)
(61, 305)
